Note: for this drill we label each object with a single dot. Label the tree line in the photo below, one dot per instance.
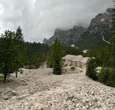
(15, 53)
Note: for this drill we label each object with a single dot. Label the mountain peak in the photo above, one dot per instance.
(90, 37)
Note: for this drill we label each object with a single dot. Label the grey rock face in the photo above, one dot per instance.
(67, 37)
(86, 38)
(100, 26)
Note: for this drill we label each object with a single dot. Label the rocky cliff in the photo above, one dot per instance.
(100, 28)
(67, 37)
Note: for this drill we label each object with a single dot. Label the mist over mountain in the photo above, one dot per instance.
(93, 36)
(67, 37)
(40, 18)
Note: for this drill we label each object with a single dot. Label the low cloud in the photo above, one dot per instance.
(39, 18)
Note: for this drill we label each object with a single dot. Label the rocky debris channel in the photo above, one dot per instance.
(40, 90)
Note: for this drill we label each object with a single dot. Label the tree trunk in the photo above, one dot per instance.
(5, 77)
(16, 74)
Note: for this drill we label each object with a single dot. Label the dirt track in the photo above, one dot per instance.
(40, 90)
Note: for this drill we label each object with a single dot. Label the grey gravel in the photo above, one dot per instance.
(40, 90)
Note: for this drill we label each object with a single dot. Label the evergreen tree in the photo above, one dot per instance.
(57, 58)
(10, 52)
(20, 49)
(7, 53)
(91, 72)
(36, 54)
(19, 35)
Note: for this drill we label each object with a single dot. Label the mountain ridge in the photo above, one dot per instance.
(86, 38)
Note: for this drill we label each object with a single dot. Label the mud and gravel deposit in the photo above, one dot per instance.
(41, 90)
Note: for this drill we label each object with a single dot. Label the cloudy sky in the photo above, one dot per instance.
(39, 18)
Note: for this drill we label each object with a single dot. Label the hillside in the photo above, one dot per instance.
(86, 38)
(100, 26)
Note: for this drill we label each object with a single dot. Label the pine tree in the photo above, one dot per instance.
(57, 58)
(10, 53)
(19, 34)
(20, 49)
(7, 53)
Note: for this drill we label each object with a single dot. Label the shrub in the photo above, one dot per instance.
(91, 66)
(107, 76)
(103, 75)
(111, 78)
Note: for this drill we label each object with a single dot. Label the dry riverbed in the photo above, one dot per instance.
(40, 90)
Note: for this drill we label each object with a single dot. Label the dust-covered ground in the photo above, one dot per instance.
(41, 90)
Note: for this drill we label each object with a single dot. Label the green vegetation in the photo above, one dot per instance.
(36, 54)
(56, 54)
(71, 50)
(11, 52)
(65, 50)
(112, 59)
(91, 72)
(104, 58)
(15, 53)
(107, 76)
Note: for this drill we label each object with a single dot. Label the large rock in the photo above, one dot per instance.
(74, 63)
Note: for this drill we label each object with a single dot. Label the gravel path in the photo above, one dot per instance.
(40, 90)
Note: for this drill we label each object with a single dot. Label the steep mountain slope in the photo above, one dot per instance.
(67, 37)
(99, 29)
(86, 38)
